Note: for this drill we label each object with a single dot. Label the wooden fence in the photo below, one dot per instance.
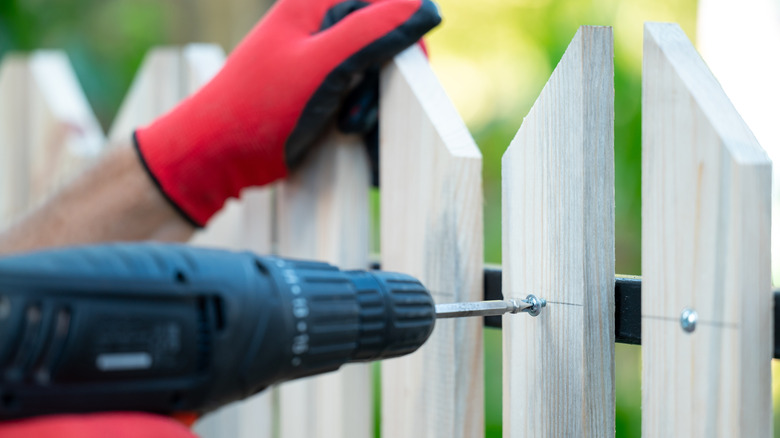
(706, 309)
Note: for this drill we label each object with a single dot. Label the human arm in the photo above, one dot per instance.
(279, 90)
(115, 200)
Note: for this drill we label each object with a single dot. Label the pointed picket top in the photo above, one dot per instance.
(156, 88)
(48, 132)
(558, 216)
(166, 76)
(706, 202)
(432, 229)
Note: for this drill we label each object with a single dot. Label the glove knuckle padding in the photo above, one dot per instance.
(324, 104)
(276, 94)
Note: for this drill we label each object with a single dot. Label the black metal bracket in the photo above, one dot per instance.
(628, 307)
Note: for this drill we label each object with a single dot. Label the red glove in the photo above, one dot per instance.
(276, 94)
(104, 425)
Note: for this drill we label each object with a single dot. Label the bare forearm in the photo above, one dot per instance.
(114, 201)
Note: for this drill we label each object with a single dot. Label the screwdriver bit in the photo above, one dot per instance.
(531, 305)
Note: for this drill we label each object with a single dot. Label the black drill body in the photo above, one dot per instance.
(171, 328)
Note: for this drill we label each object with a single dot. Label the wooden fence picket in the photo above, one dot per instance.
(48, 133)
(166, 76)
(156, 89)
(431, 228)
(559, 244)
(706, 197)
(323, 214)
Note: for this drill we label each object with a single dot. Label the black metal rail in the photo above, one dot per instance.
(628, 307)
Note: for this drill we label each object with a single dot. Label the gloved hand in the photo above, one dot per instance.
(276, 94)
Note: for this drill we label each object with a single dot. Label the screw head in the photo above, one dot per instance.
(688, 319)
(536, 304)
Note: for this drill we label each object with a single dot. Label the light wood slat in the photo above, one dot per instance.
(156, 89)
(559, 244)
(14, 142)
(706, 190)
(431, 220)
(166, 76)
(323, 215)
(48, 133)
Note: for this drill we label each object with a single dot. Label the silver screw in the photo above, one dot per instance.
(536, 305)
(688, 319)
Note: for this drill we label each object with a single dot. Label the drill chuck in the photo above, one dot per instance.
(170, 328)
(346, 316)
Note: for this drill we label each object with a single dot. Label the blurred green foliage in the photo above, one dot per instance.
(493, 57)
(105, 40)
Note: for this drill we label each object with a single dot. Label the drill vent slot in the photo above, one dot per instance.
(211, 320)
(31, 333)
(5, 307)
(54, 346)
(219, 313)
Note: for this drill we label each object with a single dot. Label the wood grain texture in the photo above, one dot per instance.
(14, 142)
(559, 244)
(323, 214)
(48, 133)
(706, 191)
(431, 228)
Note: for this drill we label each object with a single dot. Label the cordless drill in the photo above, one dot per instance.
(169, 328)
